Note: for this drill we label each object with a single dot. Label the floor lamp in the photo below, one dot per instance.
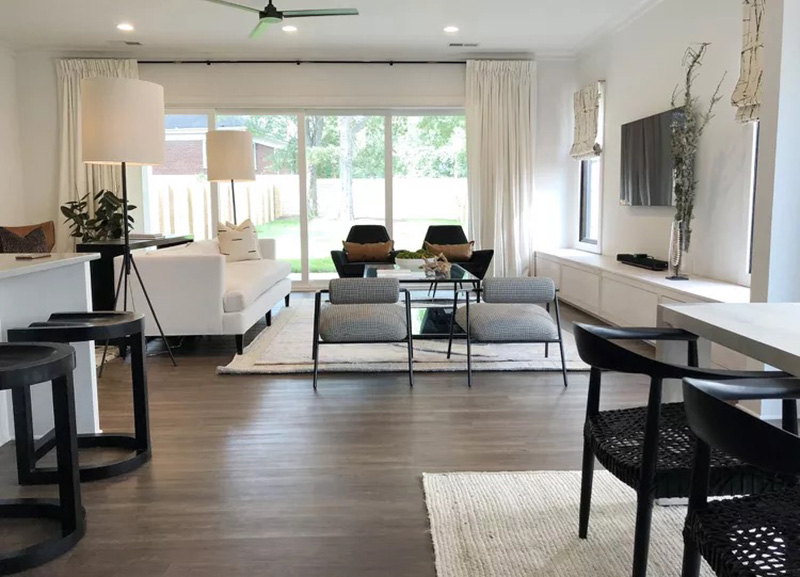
(122, 122)
(230, 157)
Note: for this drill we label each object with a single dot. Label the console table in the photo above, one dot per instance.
(103, 281)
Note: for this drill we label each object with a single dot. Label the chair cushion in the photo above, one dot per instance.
(513, 323)
(48, 228)
(529, 290)
(34, 241)
(453, 252)
(371, 252)
(362, 323)
(245, 281)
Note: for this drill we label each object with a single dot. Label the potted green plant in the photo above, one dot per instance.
(107, 222)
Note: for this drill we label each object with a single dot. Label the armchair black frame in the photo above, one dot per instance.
(317, 342)
(445, 234)
(362, 234)
(641, 471)
(721, 425)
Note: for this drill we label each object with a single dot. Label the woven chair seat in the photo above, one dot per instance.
(756, 536)
(617, 438)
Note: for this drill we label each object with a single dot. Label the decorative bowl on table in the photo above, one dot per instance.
(414, 260)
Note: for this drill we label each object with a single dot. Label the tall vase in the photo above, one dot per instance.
(677, 250)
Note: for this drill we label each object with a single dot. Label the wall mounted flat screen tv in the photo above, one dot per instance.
(647, 167)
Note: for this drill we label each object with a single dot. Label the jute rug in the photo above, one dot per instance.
(526, 525)
(285, 348)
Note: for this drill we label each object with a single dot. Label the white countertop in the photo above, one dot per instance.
(11, 267)
(705, 288)
(767, 332)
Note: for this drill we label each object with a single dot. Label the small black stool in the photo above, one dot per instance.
(75, 328)
(23, 365)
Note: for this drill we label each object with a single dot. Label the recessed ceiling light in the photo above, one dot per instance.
(451, 29)
(290, 28)
(125, 27)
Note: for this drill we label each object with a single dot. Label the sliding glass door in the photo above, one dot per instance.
(317, 175)
(345, 183)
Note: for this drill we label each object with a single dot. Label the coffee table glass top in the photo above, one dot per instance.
(457, 274)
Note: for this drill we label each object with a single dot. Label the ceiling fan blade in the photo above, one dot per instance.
(330, 12)
(260, 28)
(234, 5)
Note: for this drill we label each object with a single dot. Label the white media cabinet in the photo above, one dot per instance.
(623, 295)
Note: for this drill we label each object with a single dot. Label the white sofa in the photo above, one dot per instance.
(196, 292)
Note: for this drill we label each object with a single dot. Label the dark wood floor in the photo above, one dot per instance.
(258, 475)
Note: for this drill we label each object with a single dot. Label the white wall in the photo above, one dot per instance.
(12, 197)
(642, 65)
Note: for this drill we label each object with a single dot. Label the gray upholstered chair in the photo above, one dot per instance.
(511, 313)
(363, 311)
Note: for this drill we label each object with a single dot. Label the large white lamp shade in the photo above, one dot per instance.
(122, 120)
(230, 155)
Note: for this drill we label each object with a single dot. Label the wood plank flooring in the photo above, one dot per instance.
(257, 475)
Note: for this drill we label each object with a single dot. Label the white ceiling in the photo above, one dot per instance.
(409, 29)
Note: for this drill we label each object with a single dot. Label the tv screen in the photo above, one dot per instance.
(647, 167)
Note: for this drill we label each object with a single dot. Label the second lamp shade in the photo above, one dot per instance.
(230, 155)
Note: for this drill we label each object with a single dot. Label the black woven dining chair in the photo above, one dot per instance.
(745, 536)
(651, 449)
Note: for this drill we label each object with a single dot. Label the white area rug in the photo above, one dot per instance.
(526, 525)
(285, 348)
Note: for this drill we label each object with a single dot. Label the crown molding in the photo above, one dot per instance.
(619, 24)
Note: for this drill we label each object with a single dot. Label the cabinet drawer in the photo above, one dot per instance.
(581, 289)
(549, 269)
(626, 305)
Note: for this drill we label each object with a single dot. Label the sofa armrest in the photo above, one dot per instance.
(268, 248)
(186, 291)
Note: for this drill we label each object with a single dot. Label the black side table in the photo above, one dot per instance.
(75, 328)
(103, 280)
(23, 365)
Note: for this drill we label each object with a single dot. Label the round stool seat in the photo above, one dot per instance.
(26, 364)
(82, 327)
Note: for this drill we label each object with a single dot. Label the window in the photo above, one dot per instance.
(430, 175)
(590, 201)
(317, 174)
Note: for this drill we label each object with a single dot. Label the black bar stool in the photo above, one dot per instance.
(23, 365)
(75, 328)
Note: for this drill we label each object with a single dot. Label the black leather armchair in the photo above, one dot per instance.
(478, 265)
(362, 234)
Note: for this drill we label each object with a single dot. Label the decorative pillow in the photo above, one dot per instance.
(34, 241)
(453, 252)
(372, 252)
(238, 243)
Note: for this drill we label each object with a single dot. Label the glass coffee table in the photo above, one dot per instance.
(430, 318)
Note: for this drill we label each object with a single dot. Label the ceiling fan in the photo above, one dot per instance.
(271, 15)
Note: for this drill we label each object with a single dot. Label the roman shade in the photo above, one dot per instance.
(587, 143)
(747, 95)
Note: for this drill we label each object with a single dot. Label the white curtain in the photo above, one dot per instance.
(500, 147)
(747, 95)
(587, 123)
(76, 178)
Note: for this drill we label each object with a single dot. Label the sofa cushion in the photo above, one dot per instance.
(372, 252)
(453, 252)
(519, 323)
(245, 281)
(238, 243)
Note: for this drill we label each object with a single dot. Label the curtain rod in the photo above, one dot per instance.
(299, 62)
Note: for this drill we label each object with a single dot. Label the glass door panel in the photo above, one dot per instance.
(430, 176)
(272, 202)
(346, 162)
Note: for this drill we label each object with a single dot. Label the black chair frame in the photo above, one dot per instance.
(467, 292)
(56, 368)
(74, 328)
(598, 349)
(317, 342)
(362, 234)
(719, 424)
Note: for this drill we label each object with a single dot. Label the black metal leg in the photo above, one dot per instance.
(69, 488)
(315, 344)
(152, 310)
(269, 319)
(547, 350)
(141, 410)
(239, 344)
(288, 300)
(316, 362)
(452, 325)
(469, 349)
(644, 492)
(561, 342)
(410, 341)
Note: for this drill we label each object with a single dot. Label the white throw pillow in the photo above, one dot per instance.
(238, 243)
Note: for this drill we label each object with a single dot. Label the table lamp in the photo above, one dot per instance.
(122, 122)
(230, 157)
